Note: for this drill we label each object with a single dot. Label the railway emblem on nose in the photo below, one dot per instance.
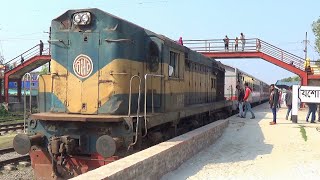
(82, 66)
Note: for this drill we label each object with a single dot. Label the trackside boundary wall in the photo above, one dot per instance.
(156, 161)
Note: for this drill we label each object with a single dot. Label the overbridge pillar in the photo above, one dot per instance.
(304, 82)
(19, 89)
(1, 95)
(6, 88)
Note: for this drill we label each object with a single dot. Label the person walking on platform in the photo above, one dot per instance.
(226, 43)
(243, 40)
(240, 100)
(273, 101)
(280, 99)
(312, 111)
(247, 100)
(236, 44)
(288, 100)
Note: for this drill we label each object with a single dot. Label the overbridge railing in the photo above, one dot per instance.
(25, 56)
(249, 45)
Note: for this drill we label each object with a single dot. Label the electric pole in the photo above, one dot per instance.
(306, 46)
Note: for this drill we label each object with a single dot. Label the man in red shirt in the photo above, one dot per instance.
(247, 100)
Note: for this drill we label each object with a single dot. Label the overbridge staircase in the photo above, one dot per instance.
(14, 70)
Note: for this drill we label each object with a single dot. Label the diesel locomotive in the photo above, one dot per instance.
(114, 87)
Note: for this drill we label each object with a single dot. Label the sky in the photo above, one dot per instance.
(280, 23)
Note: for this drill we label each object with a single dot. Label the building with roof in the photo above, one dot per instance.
(285, 85)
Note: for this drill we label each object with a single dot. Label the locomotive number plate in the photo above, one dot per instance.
(82, 66)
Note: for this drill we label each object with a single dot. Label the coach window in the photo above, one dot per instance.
(174, 64)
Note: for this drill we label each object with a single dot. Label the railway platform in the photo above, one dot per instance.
(253, 149)
(247, 149)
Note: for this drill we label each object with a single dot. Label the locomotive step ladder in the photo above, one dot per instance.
(145, 104)
(138, 109)
(26, 112)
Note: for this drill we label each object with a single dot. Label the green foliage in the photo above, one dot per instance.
(44, 69)
(303, 133)
(291, 79)
(316, 31)
(296, 78)
(3, 111)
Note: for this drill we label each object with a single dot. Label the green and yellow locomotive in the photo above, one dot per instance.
(115, 86)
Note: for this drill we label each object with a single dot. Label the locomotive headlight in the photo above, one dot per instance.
(85, 18)
(82, 18)
(77, 18)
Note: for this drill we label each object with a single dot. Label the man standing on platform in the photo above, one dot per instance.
(247, 100)
(273, 101)
(288, 99)
(240, 100)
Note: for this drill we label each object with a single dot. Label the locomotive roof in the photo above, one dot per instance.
(165, 39)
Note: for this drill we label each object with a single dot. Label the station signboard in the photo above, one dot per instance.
(309, 94)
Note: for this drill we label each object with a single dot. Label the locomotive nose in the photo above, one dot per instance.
(22, 143)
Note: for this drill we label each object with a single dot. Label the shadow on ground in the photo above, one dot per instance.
(242, 140)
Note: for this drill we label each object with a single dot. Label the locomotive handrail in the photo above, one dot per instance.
(129, 109)
(118, 73)
(38, 103)
(25, 76)
(138, 108)
(145, 99)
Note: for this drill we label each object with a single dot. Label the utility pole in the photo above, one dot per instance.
(306, 47)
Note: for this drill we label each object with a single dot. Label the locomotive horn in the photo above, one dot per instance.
(22, 143)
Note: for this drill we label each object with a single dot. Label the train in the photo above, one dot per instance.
(114, 88)
(235, 76)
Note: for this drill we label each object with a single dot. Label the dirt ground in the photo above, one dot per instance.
(253, 149)
(6, 140)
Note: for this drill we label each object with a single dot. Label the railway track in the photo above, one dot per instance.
(14, 160)
(6, 150)
(13, 126)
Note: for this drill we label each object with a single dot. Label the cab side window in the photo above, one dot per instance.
(174, 64)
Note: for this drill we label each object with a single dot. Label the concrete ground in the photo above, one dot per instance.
(253, 149)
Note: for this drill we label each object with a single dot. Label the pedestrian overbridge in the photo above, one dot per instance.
(15, 69)
(254, 48)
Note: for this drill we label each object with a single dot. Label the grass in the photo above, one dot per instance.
(6, 140)
(12, 122)
(303, 133)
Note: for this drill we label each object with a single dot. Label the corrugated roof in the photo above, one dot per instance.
(283, 83)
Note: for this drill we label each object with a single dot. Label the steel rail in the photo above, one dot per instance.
(15, 160)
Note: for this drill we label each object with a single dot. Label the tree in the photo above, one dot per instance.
(44, 69)
(296, 78)
(291, 79)
(316, 31)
